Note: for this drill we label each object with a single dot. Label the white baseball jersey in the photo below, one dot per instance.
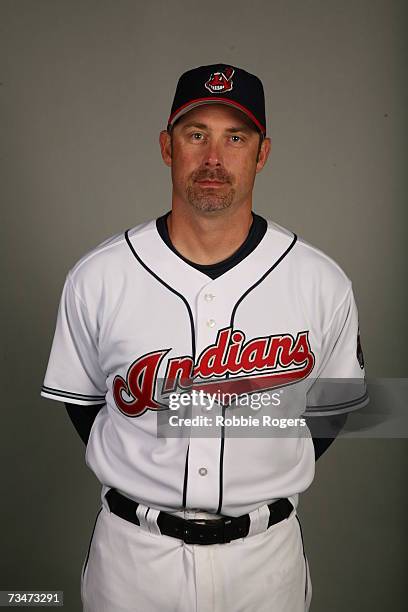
(135, 320)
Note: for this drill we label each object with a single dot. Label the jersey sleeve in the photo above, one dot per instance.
(73, 373)
(340, 385)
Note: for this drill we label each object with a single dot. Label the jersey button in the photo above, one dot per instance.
(210, 322)
(209, 297)
(202, 471)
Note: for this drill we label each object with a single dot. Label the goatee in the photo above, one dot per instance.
(208, 199)
(202, 200)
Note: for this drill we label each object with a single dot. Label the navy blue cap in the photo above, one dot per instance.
(220, 83)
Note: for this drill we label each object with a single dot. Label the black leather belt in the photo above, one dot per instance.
(197, 531)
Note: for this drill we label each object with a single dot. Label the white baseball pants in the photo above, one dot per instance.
(133, 568)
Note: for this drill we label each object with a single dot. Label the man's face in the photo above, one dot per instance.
(213, 154)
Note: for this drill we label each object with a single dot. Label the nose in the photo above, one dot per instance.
(213, 154)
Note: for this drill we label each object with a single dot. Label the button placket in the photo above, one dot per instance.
(203, 473)
(204, 453)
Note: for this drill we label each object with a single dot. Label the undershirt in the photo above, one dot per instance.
(256, 232)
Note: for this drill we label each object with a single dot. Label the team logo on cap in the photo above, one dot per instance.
(220, 82)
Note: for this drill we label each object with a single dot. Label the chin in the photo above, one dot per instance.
(210, 203)
(210, 206)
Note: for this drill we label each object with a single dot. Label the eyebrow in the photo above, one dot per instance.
(203, 126)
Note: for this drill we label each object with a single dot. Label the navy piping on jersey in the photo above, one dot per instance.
(185, 477)
(78, 396)
(187, 305)
(330, 407)
(190, 314)
(234, 310)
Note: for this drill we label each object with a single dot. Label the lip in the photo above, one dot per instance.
(208, 183)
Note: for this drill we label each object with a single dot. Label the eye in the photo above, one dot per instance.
(197, 136)
(236, 138)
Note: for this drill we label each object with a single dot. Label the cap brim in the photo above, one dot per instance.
(201, 101)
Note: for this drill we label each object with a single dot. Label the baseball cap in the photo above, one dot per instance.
(220, 83)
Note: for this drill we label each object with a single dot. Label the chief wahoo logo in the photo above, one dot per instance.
(220, 82)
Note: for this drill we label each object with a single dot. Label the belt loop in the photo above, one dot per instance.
(151, 520)
(258, 520)
(141, 512)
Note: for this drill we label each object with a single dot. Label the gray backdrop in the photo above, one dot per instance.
(86, 87)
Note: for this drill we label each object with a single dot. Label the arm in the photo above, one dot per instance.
(331, 425)
(82, 418)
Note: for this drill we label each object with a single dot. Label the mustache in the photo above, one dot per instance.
(211, 175)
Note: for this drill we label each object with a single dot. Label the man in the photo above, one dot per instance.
(210, 299)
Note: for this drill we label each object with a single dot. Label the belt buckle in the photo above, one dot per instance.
(194, 531)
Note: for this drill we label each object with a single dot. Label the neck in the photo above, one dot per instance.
(207, 238)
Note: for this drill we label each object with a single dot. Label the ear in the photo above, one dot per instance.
(165, 147)
(263, 154)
